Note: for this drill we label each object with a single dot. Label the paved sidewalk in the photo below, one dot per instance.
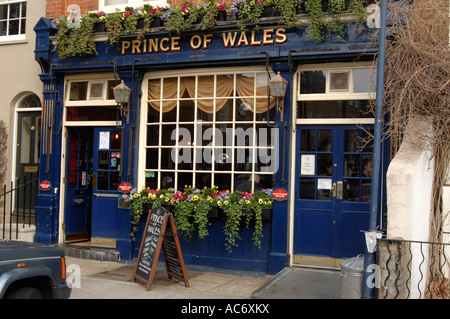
(112, 280)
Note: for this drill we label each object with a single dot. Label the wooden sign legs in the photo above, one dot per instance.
(160, 232)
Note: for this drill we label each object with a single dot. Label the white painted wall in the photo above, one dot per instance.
(409, 202)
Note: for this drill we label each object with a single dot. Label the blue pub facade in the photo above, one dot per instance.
(190, 95)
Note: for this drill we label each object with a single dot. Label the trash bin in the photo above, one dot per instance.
(352, 272)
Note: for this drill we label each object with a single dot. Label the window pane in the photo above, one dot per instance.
(333, 109)
(308, 142)
(167, 180)
(78, 91)
(312, 82)
(13, 27)
(153, 115)
(307, 188)
(4, 28)
(96, 91)
(14, 10)
(325, 143)
(187, 110)
(24, 9)
(151, 180)
(152, 158)
(170, 116)
(224, 110)
(364, 80)
(92, 113)
(111, 84)
(166, 134)
(339, 81)
(22, 26)
(25, 143)
(244, 111)
(4, 12)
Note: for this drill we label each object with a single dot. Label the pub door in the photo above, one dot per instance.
(106, 179)
(78, 184)
(332, 197)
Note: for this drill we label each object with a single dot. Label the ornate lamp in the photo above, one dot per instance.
(122, 96)
(278, 87)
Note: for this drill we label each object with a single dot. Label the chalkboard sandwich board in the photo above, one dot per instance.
(160, 233)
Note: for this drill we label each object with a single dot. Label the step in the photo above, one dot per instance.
(93, 253)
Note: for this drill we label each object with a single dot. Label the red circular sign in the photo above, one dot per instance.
(280, 194)
(125, 187)
(45, 185)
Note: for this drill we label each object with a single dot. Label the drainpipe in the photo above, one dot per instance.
(369, 258)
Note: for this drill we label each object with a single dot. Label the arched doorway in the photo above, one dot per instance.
(27, 155)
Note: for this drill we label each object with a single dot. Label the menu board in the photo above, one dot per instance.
(160, 231)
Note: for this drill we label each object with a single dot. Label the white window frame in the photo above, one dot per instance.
(332, 95)
(130, 3)
(143, 128)
(94, 78)
(15, 37)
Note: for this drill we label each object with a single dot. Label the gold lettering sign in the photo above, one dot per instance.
(228, 39)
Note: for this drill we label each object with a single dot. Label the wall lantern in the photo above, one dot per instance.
(122, 96)
(278, 87)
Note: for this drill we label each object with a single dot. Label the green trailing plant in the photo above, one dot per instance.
(75, 36)
(114, 25)
(232, 226)
(315, 14)
(357, 8)
(63, 43)
(337, 7)
(201, 210)
(183, 218)
(249, 12)
(211, 10)
(288, 12)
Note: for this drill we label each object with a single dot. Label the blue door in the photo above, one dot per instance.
(333, 181)
(78, 184)
(106, 178)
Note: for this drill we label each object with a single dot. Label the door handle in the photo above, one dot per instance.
(333, 190)
(340, 189)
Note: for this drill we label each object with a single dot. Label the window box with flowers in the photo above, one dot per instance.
(194, 210)
(75, 35)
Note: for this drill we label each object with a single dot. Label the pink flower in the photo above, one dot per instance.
(247, 195)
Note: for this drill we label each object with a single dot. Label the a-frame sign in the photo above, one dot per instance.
(160, 233)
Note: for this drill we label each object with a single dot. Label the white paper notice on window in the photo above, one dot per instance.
(324, 183)
(308, 162)
(103, 140)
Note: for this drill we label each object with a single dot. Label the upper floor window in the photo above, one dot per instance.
(332, 92)
(13, 15)
(91, 99)
(111, 5)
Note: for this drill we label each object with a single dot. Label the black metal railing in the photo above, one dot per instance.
(17, 206)
(413, 269)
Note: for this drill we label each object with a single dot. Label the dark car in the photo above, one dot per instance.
(32, 271)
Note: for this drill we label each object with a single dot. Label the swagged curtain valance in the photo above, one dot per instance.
(205, 89)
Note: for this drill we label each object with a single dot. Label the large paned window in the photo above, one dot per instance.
(13, 15)
(205, 129)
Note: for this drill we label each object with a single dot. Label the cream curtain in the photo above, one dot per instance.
(224, 88)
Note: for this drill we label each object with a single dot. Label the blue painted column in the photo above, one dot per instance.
(47, 205)
(124, 244)
(279, 254)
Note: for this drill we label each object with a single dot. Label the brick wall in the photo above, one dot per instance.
(57, 8)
